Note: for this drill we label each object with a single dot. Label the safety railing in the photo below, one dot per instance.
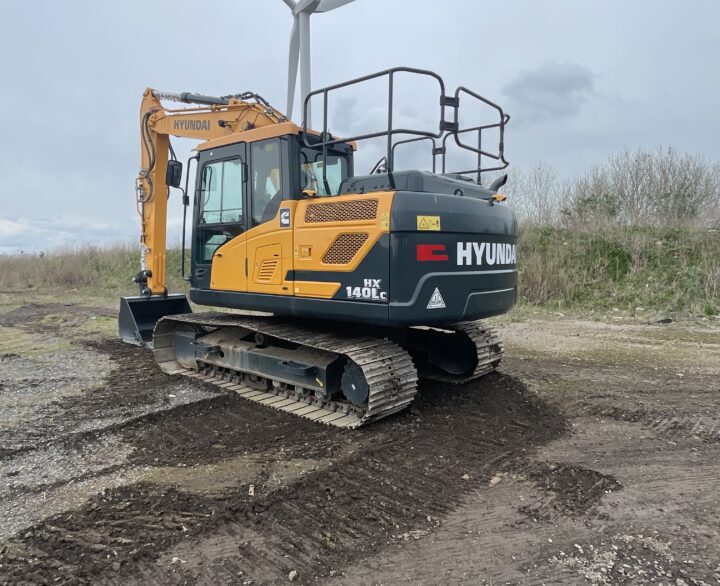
(469, 138)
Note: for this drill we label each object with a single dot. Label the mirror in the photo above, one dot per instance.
(173, 175)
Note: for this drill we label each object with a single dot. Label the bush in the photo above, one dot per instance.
(664, 269)
(108, 269)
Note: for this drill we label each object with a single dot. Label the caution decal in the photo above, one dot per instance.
(428, 223)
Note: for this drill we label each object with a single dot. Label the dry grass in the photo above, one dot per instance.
(671, 270)
(666, 270)
(97, 270)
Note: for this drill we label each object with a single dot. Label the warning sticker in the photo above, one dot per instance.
(436, 300)
(428, 223)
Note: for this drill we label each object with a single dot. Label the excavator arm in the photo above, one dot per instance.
(211, 117)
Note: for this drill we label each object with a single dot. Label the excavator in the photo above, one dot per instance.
(338, 291)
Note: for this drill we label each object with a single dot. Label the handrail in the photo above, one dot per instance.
(447, 128)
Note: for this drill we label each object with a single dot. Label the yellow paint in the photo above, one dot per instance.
(273, 251)
(228, 266)
(319, 236)
(255, 134)
(428, 223)
(317, 289)
(268, 242)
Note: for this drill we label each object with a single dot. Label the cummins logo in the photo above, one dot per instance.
(485, 253)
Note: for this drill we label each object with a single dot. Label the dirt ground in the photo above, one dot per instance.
(593, 456)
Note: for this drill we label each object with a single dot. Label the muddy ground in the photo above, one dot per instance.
(593, 456)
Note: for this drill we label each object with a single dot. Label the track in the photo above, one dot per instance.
(388, 368)
(489, 350)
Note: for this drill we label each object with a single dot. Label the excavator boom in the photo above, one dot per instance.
(212, 117)
(215, 117)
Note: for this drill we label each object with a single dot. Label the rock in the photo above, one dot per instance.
(465, 477)
(494, 480)
(293, 575)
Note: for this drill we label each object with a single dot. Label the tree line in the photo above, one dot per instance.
(659, 187)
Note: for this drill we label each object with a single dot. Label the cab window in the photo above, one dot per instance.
(311, 171)
(222, 190)
(220, 215)
(266, 180)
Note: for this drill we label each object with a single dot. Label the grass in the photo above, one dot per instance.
(668, 270)
(89, 270)
(671, 270)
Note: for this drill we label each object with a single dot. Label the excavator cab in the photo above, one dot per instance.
(242, 188)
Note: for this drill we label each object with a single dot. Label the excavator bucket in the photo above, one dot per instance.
(138, 315)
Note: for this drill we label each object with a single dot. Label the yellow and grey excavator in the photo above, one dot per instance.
(352, 286)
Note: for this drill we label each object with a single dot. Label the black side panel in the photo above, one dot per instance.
(457, 214)
(356, 311)
(464, 269)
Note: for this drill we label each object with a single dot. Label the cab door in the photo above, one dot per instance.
(270, 237)
(220, 241)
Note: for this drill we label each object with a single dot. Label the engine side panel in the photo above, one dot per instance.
(343, 241)
(452, 259)
(410, 258)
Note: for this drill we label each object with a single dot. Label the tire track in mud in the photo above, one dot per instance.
(131, 388)
(406, 474)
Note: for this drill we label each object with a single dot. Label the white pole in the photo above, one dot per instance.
(305, 89)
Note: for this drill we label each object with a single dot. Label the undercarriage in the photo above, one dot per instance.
(339, 374)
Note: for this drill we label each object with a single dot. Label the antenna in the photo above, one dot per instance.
(300, 45)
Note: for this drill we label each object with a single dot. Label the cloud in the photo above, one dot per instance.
(551, 90)
(35, 235)
(27, 234)
(344, 114)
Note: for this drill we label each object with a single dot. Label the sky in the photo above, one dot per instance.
(582, 79)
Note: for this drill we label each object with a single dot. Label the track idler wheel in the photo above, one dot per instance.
(354, 385)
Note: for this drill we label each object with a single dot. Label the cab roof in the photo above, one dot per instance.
(256, 134)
